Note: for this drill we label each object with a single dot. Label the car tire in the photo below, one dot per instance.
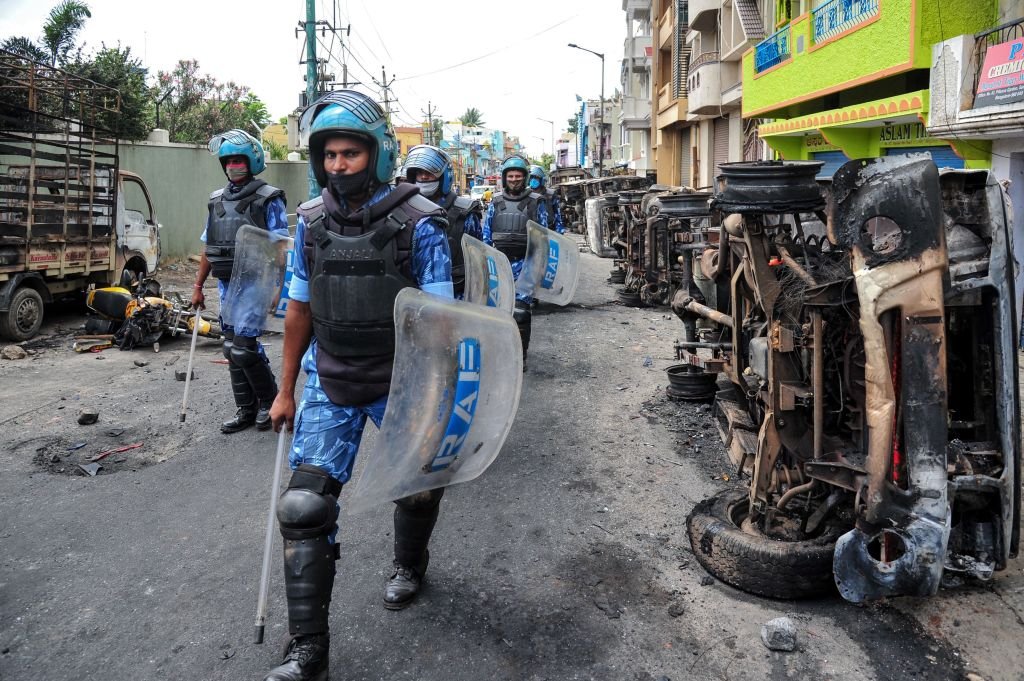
(24, 317)
(753, 562)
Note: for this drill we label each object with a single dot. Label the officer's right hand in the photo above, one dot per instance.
(283, 412)
(198, 299)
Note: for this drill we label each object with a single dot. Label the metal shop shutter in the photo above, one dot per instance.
(684, 158)
(832, 159)
(721, 142)
(944, 156)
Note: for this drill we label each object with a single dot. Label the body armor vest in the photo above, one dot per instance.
(229, 211)
(508, 226)
(357, 265)
(458, 209)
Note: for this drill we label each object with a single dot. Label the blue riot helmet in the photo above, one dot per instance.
(513, 162)
(239, 143)
(538, 178)
(434, 161)
(353, 114)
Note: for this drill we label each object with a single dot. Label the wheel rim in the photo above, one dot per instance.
(27, 315)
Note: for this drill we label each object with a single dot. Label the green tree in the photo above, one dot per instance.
(472, 118)
(573, 122)
(116, 67)
(200, 107)
(275, 150)
(24, 47)
(62, 27)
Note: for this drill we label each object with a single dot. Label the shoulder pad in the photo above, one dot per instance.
(423, 205)
(535, 196)
(312, 209)
(216, 195)
(464, 203)
(269, 191)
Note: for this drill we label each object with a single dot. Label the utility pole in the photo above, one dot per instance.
(385, 85)
(429, 113)
(311, 82)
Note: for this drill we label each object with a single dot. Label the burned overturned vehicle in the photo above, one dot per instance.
(867, 337)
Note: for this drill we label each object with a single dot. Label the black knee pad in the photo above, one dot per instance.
(421, 501)
(245, 352)
(309, 507)
(226, 347)
(521, 315)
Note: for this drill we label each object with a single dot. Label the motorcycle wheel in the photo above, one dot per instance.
(753, 562)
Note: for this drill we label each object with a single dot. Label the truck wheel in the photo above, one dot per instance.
(25, 316)
(753, 562)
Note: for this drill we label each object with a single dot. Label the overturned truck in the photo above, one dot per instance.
(866, 333)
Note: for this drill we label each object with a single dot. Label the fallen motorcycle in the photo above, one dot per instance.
(867, 335)
(142, 316)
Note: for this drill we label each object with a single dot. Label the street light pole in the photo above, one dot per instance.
(600, 153)
(552, 135)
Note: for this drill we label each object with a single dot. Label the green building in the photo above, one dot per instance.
(849, 79)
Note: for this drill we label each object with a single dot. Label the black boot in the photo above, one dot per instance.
(415, 518)
(257, 370)
(305, 659)
(524, 321)
(245, 400)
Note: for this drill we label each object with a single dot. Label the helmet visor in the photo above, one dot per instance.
(232, 137)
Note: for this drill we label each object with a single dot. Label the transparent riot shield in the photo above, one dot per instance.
(454, 394)
(551, 268)
(489, 280)
(257, 278)
(275, 321)
(595, 229)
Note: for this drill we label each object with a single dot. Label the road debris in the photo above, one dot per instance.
(182, 374)
(13, 352)
(90, 469)
(87, 417)
(141, 363)
(779, 634)
(77, 445)
(118, 450)
(677, 609)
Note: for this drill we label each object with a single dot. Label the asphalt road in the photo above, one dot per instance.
(568, 559)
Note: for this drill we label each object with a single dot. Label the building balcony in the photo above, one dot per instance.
(704, 85)
(970, 96)
(636, 6)
(703, 14)
(845, 43)
(635, 113)
(666, 29)
(671, 110)
(637, 47)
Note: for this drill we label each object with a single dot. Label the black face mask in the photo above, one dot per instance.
(346, 186)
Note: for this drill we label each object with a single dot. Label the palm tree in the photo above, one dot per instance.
(472, 118)
(24, 47)
(62, 27)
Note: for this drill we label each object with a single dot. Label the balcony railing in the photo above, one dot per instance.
(703, 60)
(1013, 30)
(837, 16)
(772, 51)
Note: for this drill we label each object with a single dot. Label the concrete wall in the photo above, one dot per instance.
(180, 178)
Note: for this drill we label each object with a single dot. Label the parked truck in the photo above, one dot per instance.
(70, 218)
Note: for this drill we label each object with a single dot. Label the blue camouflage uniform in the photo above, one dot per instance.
(277, 222)
(517, 265)
(328, 434)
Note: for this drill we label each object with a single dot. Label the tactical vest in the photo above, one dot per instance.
(228, 212)
(357, 265)
(508, 225)
(458, 209)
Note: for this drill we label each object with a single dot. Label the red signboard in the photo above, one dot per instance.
(1002, 76)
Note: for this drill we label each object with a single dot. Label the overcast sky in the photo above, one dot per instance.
(531, 74)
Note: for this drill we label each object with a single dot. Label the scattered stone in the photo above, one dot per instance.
(91, 469)
(116, 432)
(707, 580)
(677, 609)
(55, 458)
(141, 363)
(779, 634)
(971, 676)
(180, 374)
(87, 417)
(611, 610)
(13, 352)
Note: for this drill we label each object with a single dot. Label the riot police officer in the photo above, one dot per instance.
(357, 245)
(244, 201)
(431, 170)
(538, 183)
(505, 227)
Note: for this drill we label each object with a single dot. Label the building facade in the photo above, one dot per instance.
(670, 133)
(846, 79)
(634, 118)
